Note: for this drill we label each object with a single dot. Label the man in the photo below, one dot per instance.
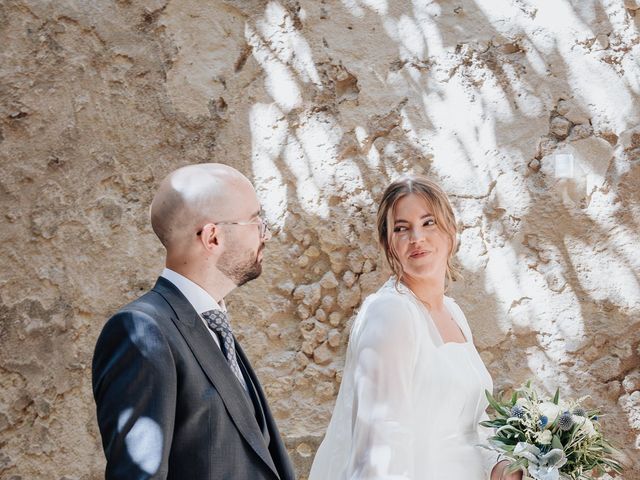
(176, 396)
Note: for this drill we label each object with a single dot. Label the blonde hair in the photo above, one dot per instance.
(440, 206)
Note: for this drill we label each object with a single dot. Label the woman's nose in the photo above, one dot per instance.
(415, 234)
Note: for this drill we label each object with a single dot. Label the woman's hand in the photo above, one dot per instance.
(498, 472)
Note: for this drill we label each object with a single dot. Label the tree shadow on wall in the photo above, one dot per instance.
(347, 215)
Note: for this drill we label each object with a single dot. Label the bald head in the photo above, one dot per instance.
(196, 194)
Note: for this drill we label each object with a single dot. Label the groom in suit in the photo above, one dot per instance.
(176, 396)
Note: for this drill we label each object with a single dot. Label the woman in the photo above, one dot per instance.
(413, 385)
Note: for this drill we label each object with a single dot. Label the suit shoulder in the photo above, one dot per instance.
(143, 326)
(149, 316)
(151, 304)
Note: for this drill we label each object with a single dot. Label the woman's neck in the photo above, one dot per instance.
(428, 291)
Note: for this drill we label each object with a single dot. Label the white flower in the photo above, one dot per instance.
(585, 425)
(523, 402)
(550, 410)
(544, 438)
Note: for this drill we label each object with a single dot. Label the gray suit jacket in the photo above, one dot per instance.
(169, 406)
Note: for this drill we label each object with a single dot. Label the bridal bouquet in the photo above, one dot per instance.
(549, 439)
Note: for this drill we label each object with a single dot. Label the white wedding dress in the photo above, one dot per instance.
(409, 404)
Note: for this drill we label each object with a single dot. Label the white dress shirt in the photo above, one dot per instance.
(197, 296)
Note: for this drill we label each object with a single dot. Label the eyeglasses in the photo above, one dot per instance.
(264, 226)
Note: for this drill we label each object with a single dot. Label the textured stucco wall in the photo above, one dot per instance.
(320, 103)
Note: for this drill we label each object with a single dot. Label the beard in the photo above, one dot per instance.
(243, 268)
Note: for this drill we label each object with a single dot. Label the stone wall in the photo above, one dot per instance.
(526, 112)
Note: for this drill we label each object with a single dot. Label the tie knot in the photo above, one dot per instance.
(217, 321)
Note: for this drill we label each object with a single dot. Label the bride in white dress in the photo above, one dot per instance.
(413, 385)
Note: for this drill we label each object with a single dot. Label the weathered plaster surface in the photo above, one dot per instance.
(320, 104)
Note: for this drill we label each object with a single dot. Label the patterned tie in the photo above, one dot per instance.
(219, 323)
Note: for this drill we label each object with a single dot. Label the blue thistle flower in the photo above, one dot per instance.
(565, 421)
(544, 420)
(517, 411)
(579, 411)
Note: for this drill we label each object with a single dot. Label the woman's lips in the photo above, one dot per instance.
(419, 253)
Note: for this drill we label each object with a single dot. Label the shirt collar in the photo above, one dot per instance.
(197, 296)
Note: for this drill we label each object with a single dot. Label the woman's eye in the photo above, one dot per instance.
(430, 222)
(399, 229)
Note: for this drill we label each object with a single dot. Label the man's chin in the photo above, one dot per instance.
(254, 273)
(258, 270)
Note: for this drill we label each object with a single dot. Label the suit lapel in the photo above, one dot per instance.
(276, 446)
(215, 366)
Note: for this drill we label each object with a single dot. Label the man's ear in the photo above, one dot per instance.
(210, 237)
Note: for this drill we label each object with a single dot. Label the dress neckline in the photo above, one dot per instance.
(447, 301)
(435, 327)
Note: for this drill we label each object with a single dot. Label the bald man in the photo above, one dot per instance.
(175, 394)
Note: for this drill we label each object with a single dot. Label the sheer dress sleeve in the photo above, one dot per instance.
(385, 355)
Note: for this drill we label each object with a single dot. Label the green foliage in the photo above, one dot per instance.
(555, 442)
